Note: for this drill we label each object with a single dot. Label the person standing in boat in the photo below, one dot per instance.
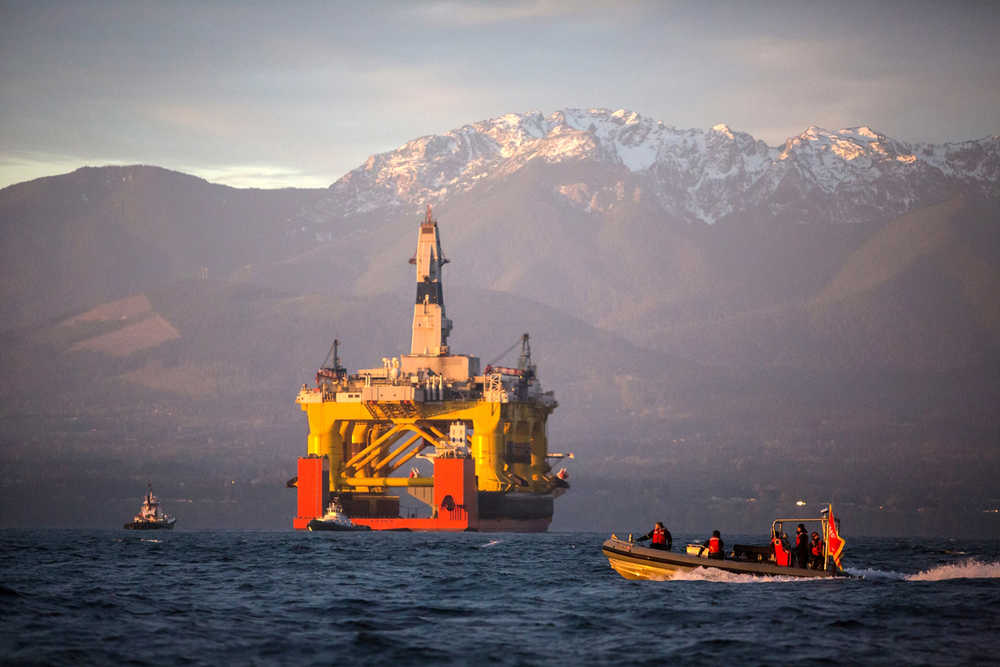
(816, 551)
(716, 547)
(659, 537)
(800, 555)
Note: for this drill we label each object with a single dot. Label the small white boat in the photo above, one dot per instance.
(150, 516)
(335, 519)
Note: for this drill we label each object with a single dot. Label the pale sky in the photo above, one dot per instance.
(260, 94)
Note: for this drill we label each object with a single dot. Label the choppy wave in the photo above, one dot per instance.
(967, 569)
(255, 597)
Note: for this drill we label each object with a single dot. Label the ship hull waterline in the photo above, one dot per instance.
(633, 561)
(500, 513)
(446, 526)
(149, 525)
(320, 525)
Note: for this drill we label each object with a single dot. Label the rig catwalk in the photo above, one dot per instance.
(485, 431)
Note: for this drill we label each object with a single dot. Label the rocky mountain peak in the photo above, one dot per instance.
(695, 175)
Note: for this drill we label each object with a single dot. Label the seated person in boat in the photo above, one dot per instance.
(716, 548)
(816, 551)
(659, 537)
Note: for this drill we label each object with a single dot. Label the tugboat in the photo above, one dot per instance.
(150, 516)
(634, 561)
(335, 519)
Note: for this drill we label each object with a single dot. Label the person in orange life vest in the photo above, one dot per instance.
(816, 551)
(659, 537)
(781, 554)
(800, 554)
(716, 548)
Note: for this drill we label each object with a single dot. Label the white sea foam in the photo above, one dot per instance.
(712, 574)
(967, 569)
(871, 574)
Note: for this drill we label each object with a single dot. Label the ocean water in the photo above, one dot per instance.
(211, 598)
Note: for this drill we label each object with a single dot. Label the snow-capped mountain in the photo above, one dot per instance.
(849, 175)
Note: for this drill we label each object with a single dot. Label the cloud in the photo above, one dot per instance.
(776, 85)
(199, 119)
(320, 86)
(20, 166)
(259, 176)
(461, 13)
(17, 167)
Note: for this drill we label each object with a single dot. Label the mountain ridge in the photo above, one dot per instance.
(695, 175)
(99, 233)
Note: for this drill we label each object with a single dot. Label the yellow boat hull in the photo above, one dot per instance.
(631, 569)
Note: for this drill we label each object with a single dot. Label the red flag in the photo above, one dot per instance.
(834, 543)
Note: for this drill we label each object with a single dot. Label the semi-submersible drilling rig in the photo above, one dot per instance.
(487, 430)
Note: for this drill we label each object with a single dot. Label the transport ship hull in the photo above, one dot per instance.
(514, 525)
(498, 513)
(515, 512)
(457, 504)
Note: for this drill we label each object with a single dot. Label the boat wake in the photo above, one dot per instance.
(712, 574)
(871, 574)
(966, 569)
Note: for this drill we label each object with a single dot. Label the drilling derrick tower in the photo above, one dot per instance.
(484, 430)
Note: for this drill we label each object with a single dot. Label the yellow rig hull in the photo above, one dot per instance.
(365, 443)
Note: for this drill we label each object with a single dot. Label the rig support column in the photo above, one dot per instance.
(359, 438)
(487, 446)
(519, 449)
(539, 449)
(311, 491)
